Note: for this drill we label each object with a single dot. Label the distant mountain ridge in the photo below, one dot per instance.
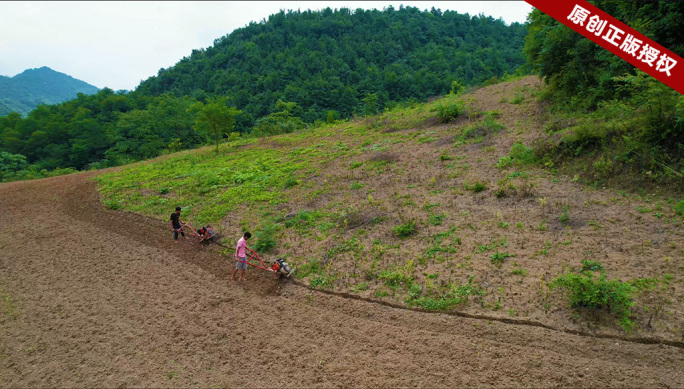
(32, 87)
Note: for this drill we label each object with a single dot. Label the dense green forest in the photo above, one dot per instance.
(32, 87)
(283, 73)
(331, 60)
(610, 123)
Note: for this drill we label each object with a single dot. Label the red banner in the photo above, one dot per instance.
(618, 38)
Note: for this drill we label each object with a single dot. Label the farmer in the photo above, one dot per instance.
(241, 257)
(205, 233)
(177, 225)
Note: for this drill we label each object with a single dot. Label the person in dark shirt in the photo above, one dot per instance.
(177, 225)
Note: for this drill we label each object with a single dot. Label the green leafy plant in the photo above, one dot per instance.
(565, 215)
(265, 238)
(504, 162)
(435, 220)
(449, 111)
(477, 187)
(590, 292)
(454, 297)
(406, 229)
(679, 208)
(497, 258)
(588, 265)
(399, 277)
(415, 291)
(113, 204)
(521, 154)
(322, 281)
(519, 272)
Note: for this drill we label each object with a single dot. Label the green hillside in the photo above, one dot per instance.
(25, 91)
(442, 206)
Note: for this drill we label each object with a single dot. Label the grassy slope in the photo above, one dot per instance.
(334, 195)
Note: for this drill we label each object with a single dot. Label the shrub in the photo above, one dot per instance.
(485, 127)
(265, 240)
(406, 229)
(518, 99)
(679, 208)
(522, 154)
(403, 276)
(477, 187)
(504, 162)
(447, 112)
(587, 291)
(414, 291)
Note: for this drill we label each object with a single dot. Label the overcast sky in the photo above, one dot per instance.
(118, 44)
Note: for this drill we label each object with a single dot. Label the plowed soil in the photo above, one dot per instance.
(98, 298)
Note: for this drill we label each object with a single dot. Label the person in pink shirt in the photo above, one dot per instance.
(241, 257)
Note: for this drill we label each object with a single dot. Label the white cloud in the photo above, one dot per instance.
(118, 44)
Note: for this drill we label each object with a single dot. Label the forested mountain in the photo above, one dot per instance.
(279, 74)
(25, 91)
(331, 60)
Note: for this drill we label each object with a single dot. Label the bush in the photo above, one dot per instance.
(11, 163)
(477, 187)
(265, 240)
(522, 154)
(485, 127)
(403, 276)
(587, 291)
(504, 162)
(447, 112)
(679, 208)
(414, 291)
(405, 229)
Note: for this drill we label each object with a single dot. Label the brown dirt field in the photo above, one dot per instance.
(97, 298)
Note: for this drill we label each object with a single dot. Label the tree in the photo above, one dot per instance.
(280, 122)
(11, 163)
(370, 104)
(215, 117)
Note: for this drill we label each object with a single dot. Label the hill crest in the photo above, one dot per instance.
(32, 87)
